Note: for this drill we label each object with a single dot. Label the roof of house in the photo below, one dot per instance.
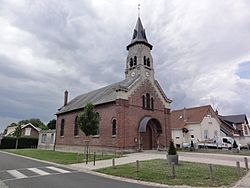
(241, 118)
(99, 96)
(179, 118)
(30, 124)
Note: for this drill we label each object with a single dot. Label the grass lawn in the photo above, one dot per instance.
(56, 156)
(192, 174)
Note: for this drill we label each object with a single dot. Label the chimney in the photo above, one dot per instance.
(216, 112)
(184, 114)
(66, 97)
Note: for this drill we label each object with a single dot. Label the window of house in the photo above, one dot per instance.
(147, 101)
(246, 130)
(114, 127)
(44, 138)
(52, 138)
(152, 103)
(192, 136)
(131, 63)
(148, 62)
(62, 127)
(135, 60)
(27, 131)
(206, 134)
(143, 101)
(76, 127)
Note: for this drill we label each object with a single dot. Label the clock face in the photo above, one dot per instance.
(147, 73)
(132, 74)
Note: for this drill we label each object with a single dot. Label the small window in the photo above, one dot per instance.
(152, 103)
(177, 137)
(76, 127)
(135, 60)
(27, 131)
(62, 128)
(147, 101)
(131, 62)
(52, 138)
(192, 136)
(114, 127)
(145, 60)
(206, 134)
(143, 101)
(44, 138)
(148, 62)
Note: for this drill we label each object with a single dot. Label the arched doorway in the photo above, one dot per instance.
(149, 131)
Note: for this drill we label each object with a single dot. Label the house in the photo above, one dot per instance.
(47, 139)
(134, 113)
(28, 130)
(240, 126)
(194, 124)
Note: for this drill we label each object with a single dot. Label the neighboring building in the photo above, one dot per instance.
(134, 113)
(28, 130)
(197, 124)
(240, 125)
(47, 139)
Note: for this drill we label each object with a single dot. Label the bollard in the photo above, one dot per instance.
(246, 163)
(94, 158)
(113, 163)
(210, 169)
(173, 169)
(137, 166)
(238, 168)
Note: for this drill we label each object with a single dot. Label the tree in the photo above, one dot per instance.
(17, 134)
(52, 124)
(88, 122)
(172, 149)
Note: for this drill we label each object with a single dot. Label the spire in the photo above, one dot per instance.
(139, 35)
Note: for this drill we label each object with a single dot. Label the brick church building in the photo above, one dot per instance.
(134, 113)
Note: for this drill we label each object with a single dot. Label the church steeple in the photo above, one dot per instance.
(139, 59)
(139, 35)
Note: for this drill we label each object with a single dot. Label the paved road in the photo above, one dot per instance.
(19, 172)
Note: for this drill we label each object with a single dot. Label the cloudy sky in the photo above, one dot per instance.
(201, 52)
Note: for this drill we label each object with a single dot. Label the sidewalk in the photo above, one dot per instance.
(222, 159)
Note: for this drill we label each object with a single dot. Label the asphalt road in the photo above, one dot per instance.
(19, 172)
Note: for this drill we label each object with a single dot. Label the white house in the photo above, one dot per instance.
(196, 124)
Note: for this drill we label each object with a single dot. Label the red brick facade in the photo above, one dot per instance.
(128, 114)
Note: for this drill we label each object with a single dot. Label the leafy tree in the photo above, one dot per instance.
(88, 122)
(17, 134)
(172, 149)
(52, 124)
(34, 121)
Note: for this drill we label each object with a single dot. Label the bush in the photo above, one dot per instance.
(23, 142)
(172, 149)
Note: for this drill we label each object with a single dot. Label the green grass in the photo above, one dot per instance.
(56, 156)
(192, 174)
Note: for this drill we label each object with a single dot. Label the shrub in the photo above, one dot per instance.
(23, 142)
(172, 149)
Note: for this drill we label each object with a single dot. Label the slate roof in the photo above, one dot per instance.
(179, 118)
(139, 35)
(99, 96)
(241, 118)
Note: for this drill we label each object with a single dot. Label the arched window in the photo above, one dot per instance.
(131, 62)
(148, 62)
(143, 101)
(76, 127)
(135, 60)
(152, 103)
(114, 127)
(62, 127)
(98, 125)
(147, 101)
(145, 60)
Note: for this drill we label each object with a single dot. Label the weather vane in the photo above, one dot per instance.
(139, 10)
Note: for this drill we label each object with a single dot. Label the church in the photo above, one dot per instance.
(134, 114)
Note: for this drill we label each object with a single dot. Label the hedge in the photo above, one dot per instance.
(23, 142)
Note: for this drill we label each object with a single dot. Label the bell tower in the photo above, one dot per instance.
(139, 59)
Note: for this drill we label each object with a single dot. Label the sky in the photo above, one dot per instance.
(201, 52)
